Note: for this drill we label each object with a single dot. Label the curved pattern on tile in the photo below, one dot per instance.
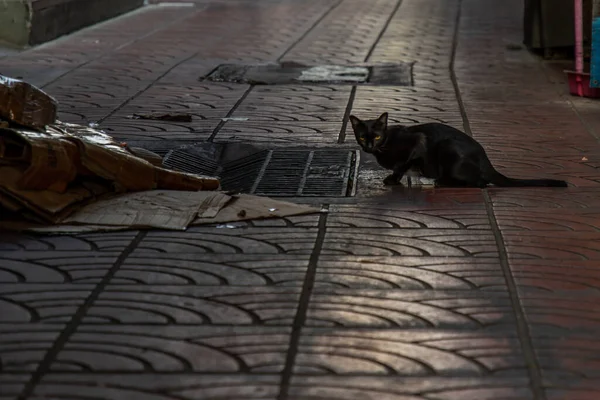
(553, 245)
(159, 386)
(562, 312)
(542, 219)
(409, 273)
(569, 276)
(21, 303)
(378, 216)
(408, 353)
(408, 309)
(395, 388)
(240, 270)
(174, 349)
(163, 304)
(410, 242)
(573, 198)
(55, 267)
(10, 241)
(23, 346)
(344, 36)
(231, 241)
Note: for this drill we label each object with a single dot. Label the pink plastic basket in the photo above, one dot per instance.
(579, 85)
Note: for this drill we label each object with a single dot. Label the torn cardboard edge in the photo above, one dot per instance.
(53, 173)
(163, 209)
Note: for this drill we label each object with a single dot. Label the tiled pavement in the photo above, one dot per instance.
(439, 294)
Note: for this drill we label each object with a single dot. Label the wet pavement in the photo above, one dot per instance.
(434, 294)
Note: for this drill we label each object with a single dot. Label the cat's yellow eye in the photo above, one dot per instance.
(362, 139)
(377, 137)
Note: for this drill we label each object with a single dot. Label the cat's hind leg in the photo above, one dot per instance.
(469, 173)
(391, 180)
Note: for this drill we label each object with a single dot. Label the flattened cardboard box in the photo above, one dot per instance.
(52, 173)
(166, 210)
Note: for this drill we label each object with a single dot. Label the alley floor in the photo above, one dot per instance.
(391, 294)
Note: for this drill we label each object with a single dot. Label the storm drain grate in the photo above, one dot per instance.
(274, 172)
(399, 74)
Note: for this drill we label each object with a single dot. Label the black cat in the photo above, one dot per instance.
(435, 151)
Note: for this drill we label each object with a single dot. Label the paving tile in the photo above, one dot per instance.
(557, 276)
(278, 133)
(81, 117)
(565, 312)
(466, 310)
(565, 354)
(317, 103)
(381, 216)
(516, 119)
(396, 388)
(157, 386)
(191, 304)
(55, 266)
(23, 346)
(213, 270)
(91, 94)
(524, 149)
(11, 385)
(45, 303)
(199, 112)
(405, 99)
(433, 352)
(109, 242)
(571, 388)
(345, 35)
(231, 241)
(410, 242)
(580, 245)
(547, 219)
(542, 165)
(201, 94)
(545, 198)
(139, 129)
(410, 273)
(152, 348)
(576, 138)
(399, 197)
(415, 34)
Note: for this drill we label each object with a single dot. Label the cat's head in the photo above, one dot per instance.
(370, 133)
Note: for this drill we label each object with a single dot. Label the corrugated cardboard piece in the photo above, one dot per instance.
(166, 210)
(48, 175)
(25, 104)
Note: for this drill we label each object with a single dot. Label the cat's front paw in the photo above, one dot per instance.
(391, 180)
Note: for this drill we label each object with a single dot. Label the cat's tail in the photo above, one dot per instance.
(498, 179)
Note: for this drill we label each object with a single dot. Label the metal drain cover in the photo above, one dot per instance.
(272, 172)
(290, 72)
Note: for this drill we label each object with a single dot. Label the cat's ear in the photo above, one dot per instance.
(354, 121)
(383, 119)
